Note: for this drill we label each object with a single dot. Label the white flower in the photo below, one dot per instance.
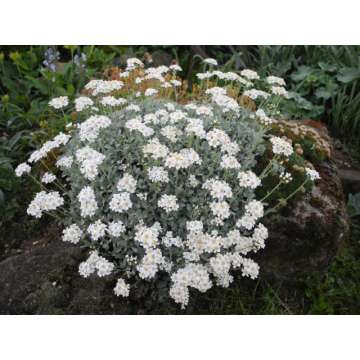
(204, 110)
(279, 91)
(147, 236)
(250, 74)
(210, 61)
(120, 202)
(220, 209)
(281, 146)
(255, 209)
(44, 202)
(168, 203)
(158, 174)
(127, 183)
(176, 116)
(132, 63)
(229, 162)
(22, 169)
(170, 107)
(248, 179)
(169, 240)
(216, 91)
(218, 189)
(196, 127)
(203, 76)
(217, 137)
(89, 160)
(192, 181)
(182, 159)
(226, 103)
(88, 204)
(171, 132)
(195, 226)
(175, 83)
(60, 139)
(250, 268)
(82, 103)
(285, 177)
(116, 228)
(259, 236)
(72, 234)
(312, 174)
(137, 125)
(65, 162)
(175, 68)
(275, 80)
(121, 288)
(104, 267)
(246, 221)
(254, 94)
(264, 119)
(90, 129)
(133, 107)
(150, 92)
(155, 149)
(97, 230)
(88, 267)
(112, 101)
(192, 275)
(59, 102)
(103, 86)
(96, 263)
(48, 178)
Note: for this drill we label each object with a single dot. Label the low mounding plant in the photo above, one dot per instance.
(159, 186)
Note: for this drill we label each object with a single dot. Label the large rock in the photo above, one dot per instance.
(305, 236)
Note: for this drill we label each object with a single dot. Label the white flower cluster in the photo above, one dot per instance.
(137, 124)
(48, 146)
(112, 101)
(22, 169)
(168, 203)
(182, 159)
(274, 80)
(44, 201)
(255, 94)
(59, 102)
(210, 61)
(120, 202)
(103, 86)
(161, 188)
(279, 91)
(281, 146)
(96, 263)
(121, 288)
(263, 118)
(158, 174)
(218, 189)
(312, 174)
(248, 179)
(72, 234)
(48, 178)
(254, 210)
(90, 129)
(88, 204)
(82, 103)
(89, 160)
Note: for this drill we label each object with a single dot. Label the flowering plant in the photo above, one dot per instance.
(152, 184)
